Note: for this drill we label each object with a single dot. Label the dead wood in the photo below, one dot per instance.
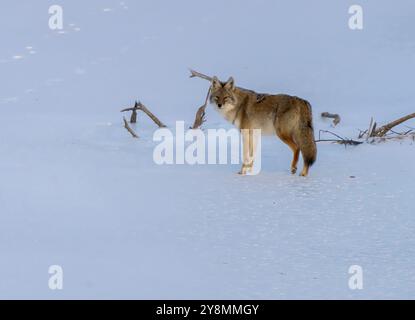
(382, 131)
(142, 107)
(195, 74)
(201, 113)
(133, 110)
(131, 131)
(339, 140)
(336, 118)
(156, 120)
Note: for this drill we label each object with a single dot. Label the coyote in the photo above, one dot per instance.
(290, 118)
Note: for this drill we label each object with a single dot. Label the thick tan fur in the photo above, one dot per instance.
(289, 117)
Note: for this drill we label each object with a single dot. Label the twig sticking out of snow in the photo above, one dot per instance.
(368, 131)
(339, 140)
(201, 113)
(382, 131)
(385, 132)
(134, 109)
(395, 136)
(131, 131)
(195, 74)
(142, 107)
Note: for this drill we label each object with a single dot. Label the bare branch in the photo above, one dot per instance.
(362, 134)
(131, 131)
(370, 129)
(200, 118)
(133, 118)
(381, 132)
(143, 108)
(373, 129)
(336, 118)
(398, 137)
(201, 112)
(128, 109)
(332, 133)
(194, 74)
(340, 139)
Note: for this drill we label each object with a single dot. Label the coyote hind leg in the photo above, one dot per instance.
(304, 173)
(296, 152)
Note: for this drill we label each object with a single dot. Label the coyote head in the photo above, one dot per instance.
(223, 95)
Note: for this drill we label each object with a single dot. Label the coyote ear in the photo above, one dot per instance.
(216, 83)
(230, 84)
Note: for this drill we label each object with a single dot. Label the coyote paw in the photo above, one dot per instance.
(246, 168)
(293, 170)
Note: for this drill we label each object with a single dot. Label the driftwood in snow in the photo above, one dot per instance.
(382, 131)
(142, 107)
(395, 137)
(133, 110)
(201, 112)
(156, 120)
(131, 131)
(195, 74)
(339, 140)
(133, 119)
(387, 131)
(367, 131)
(336, 118)
(200, 117)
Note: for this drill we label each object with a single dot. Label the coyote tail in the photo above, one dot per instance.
(306, 140)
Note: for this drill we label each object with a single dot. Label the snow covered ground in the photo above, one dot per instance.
(77, 191)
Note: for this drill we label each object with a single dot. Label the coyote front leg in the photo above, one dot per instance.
(250, 142)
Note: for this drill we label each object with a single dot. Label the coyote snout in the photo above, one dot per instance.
(290, 118)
